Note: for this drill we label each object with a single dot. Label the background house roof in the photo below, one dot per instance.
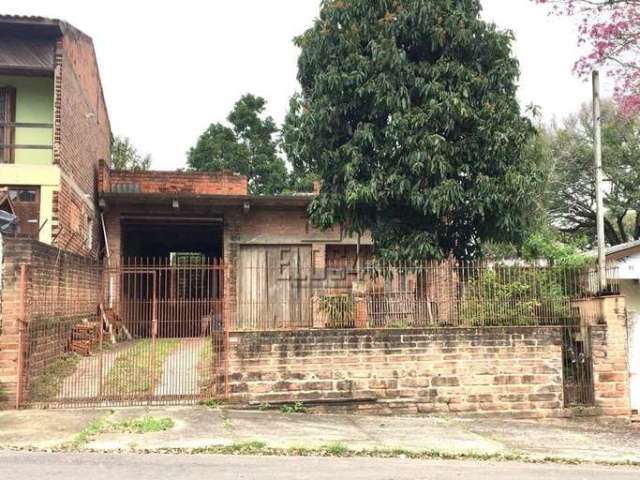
(623, 250)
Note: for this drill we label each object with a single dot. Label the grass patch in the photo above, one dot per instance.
(104, 425)
(47, 385)
(132, 370)
(205, 369)
(88, 433)
(139, 425)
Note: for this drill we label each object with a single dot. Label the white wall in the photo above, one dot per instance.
(631, 290)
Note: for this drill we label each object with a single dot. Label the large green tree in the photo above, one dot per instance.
(124, 156)
(248, 146)
(572, 205)
(410, 118)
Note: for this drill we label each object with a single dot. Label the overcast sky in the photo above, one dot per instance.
(169, 69)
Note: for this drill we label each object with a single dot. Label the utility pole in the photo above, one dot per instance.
(597, 149)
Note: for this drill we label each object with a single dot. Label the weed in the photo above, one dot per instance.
(297, 407)
(47, 385)
(336, 449)
(215, 404)
(264, 406)
(240, 448)
(104, 425)
(88, 433)
(139, 425)
(227, 424)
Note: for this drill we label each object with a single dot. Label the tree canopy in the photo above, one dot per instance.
(124, 156)
(611, 30)
(572, 187)
(409, 117)
(247, 146)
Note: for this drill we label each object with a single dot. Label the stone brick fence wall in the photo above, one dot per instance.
(499, 371)
(61, 288)
(488, 371)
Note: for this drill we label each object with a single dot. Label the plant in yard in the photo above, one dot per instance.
(611, 31)
(504, 295)
(409, 116)
(339, 310)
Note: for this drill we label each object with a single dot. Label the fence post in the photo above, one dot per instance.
(22, 321)
(101, 317)
(154, 335)
(225, 337)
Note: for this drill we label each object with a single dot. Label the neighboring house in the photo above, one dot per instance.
(627, 258)
(54, 128)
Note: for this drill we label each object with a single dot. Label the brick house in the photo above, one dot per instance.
(54, 128)
(162, 215)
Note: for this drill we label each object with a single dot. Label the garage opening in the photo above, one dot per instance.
(171, 270)
(161, 237)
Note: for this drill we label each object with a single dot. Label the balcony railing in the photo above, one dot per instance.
(16, 137)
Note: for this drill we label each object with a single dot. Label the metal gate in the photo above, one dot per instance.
(157, 337)
(577, 365)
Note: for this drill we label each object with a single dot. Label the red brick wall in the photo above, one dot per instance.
(202, 183)
(59, 284)
(610, 357)
(82, 136)
(514, 372)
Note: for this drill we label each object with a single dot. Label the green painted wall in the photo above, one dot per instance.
(34, 104)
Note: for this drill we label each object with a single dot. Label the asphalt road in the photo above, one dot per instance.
(23, 465)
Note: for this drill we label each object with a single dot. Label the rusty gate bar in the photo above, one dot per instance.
(152, 334)
(22, 322)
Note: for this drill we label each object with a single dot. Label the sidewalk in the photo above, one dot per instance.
(202, 427)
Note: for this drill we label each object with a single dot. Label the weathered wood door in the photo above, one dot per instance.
(274, 287)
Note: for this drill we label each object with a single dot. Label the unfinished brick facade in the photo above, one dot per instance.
(196, 183)
(82, 137)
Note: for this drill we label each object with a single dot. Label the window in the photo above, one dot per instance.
(7, 119)
(25, 195)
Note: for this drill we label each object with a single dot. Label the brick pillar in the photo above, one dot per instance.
(360, 304)
(10, 299)
(610, 356)
(231, 261)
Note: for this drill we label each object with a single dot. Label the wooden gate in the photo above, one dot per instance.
(157, 337)
(274, 287)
